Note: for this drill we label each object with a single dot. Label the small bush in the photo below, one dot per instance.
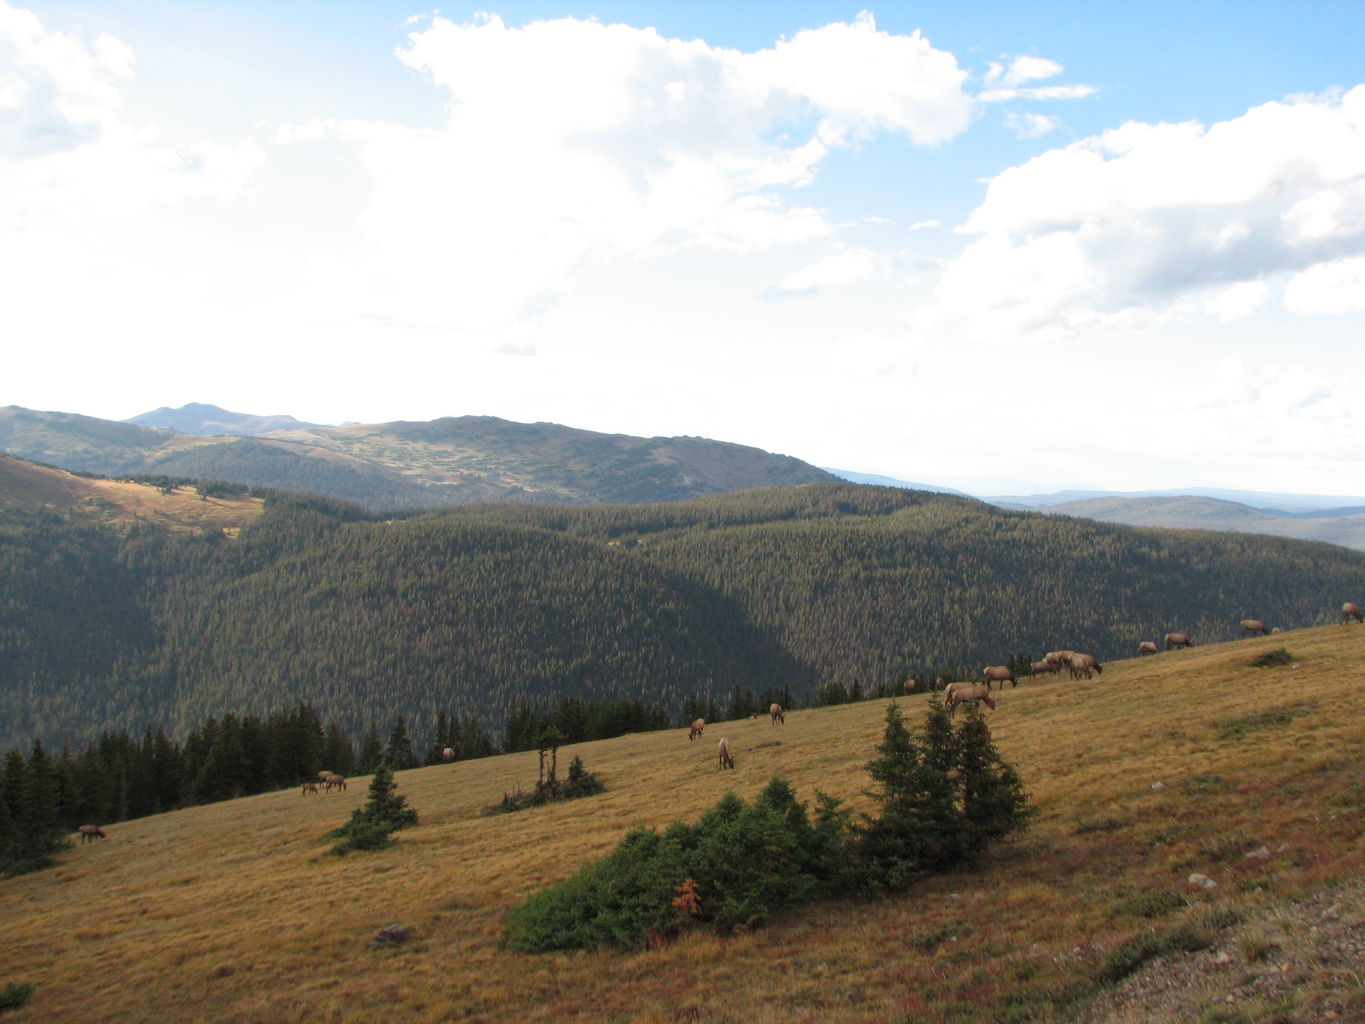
(1152, 904)
(13, 996)
(1231, 728)
(732, 870)
(581, 782)
(1137, 952)
(1271, 659)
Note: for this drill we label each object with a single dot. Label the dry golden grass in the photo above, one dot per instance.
(232, 912)
(120, 502)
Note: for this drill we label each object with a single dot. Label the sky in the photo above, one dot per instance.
(1008, 247)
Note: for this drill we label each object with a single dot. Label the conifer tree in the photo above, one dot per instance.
(398, 754)
(384, 812)
(994, 804)
(371, 751)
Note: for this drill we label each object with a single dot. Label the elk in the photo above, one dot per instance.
(779, 716)
(309, 787)
(1083, 664)
(999, 674)
(1254, 626)
(1146, 647)
(1351, 611)
(334, 782)
(961, 693)
(448, 754)
(1178, 640)
(89, 832)
(724, 757)
(697, 726)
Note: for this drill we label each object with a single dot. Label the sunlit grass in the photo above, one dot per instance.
(232, 912)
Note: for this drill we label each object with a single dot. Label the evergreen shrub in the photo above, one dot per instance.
(943, 800)
(385, 812)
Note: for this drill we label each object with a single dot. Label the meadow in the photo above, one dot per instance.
(1184, 762)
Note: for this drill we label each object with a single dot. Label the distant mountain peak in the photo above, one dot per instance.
(212, 420)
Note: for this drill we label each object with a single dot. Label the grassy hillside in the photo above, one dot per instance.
(1180, 763)
(119, 503)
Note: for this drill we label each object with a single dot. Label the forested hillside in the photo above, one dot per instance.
(465, 610)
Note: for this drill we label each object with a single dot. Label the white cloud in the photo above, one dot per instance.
(1006, 82)
(1238, 300)
(1132, 224)
(1031, 126)
(839, 269)
(55, 92)
(1328, 288)
(67, 155)
(572, 142)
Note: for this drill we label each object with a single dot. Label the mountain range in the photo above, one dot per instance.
(390, 467)
(402, 465)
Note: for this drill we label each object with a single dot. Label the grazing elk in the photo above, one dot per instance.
(723, 756)
(999, 674)
(1146, 647)
(1253, 626)
(89, 832)
(334, 782)
(697, 726)
(961, 693)
(1178, 640)
(1083, 664)
(1351, 611)
(309, 787)
(448, 754)
(779, 716)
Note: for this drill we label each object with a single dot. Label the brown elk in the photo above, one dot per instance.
(89, 832)
(448, 754)
(1351, 611)
(1178, 640)
(999, 674)
(697, 726)
(723, 755)
(961, 693)
(909, 686)
(1254, 626)
(1083, 664)
(334, 782)
(309, 787)
(1146, 647)
(779, 716)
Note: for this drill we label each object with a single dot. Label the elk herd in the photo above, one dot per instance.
(1077, 664)
(328, 780)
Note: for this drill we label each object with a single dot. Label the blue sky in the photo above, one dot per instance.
(1003, 246)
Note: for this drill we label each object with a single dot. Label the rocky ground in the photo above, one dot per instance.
(1298, 963)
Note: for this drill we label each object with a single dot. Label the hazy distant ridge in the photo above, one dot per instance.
(210, 420)
(1335, 526)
